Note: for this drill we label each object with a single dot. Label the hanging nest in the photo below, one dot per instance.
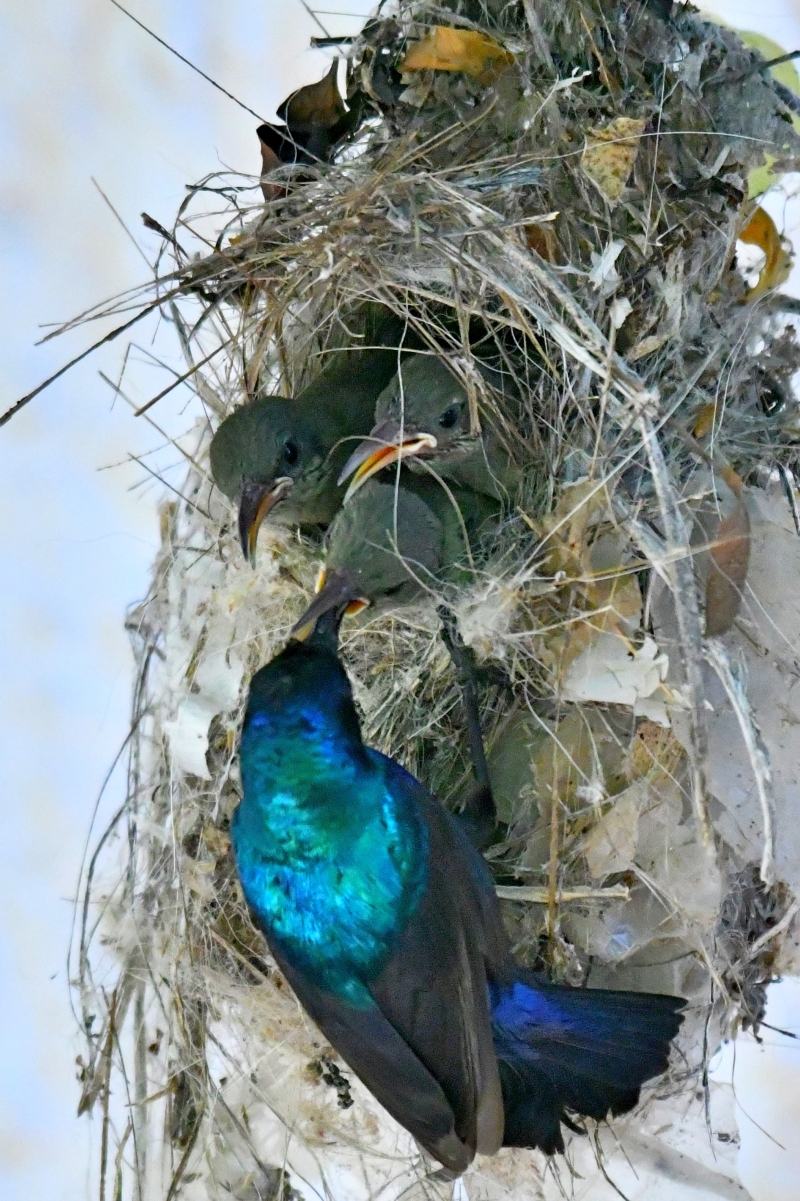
(556, 190)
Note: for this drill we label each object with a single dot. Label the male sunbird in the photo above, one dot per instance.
(423, 413)
(282, 456)
(384, 920)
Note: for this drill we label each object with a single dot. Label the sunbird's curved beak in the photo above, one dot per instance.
(383, 447)
(337, 590)
(255, 502)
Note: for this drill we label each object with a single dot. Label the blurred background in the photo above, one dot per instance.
(98, 123)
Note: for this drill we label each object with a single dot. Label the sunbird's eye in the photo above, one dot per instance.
(450, 416)
(290, 451)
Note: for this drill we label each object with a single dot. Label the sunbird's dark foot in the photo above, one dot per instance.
(479, 813)
(478, 817)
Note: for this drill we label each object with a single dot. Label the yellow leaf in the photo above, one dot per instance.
(761, 231)
(610, 154)
(467, 50)
(704, 421)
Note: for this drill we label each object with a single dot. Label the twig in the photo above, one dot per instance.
(541, 896)
(774, 931)
(181, 379)
(687, 614)
(717, 657)
(106, 1059)
(150, 308)
(172, 50)
(122, 223)
(758, 67)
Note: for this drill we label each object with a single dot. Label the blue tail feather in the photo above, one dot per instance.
(574, 1051)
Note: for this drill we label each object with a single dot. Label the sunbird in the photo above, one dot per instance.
(384, 920)
(394, 542)
(397, 540)
(423, 413)
(281, 456)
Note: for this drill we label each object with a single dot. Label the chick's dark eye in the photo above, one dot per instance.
(449, 417)
(290, 451)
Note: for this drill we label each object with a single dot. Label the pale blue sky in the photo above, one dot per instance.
(85, 93)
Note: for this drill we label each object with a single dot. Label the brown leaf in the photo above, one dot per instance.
(316, 120)
(730, 557)
(761, 231)
(704, 421)
(610, 154)
(317, 105)
(270, 160)
(467, 50)
(655, 752)
(542, 239)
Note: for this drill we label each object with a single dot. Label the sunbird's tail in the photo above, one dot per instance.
(577, 1051)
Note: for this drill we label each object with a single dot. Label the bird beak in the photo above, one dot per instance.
(379, 450)
(255, 502)
(338, 591)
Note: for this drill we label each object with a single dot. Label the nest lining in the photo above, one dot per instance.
(604, 288)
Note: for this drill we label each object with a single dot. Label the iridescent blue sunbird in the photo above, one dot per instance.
(384, 920)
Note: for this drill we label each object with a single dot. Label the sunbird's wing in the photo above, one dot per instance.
(387, 1065)
(425, 1048)
(434, 989)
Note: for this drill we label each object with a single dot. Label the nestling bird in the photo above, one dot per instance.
(385, 922)
(282, 456)
(392, 543)
(387, 547)
(424, 413)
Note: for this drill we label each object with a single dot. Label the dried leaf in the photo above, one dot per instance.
(762, 178)
(655, 752)
(596, 582)
(610, 845)
(704, 421)
(580, 761)
(316, 106)
(316, 120)
(610, 671)
(565, 761)
(761, 231)
(610, 154)
(542, 239)
(729, 560)
(648, 345)
(467, 50)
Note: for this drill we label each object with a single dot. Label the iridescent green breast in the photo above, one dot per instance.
(331, 863)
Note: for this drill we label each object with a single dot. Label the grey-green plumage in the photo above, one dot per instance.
(282, 456)
(424, 413)
(390, 544)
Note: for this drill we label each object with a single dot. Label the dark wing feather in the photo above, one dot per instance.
(434, 990)
(385, 1063)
